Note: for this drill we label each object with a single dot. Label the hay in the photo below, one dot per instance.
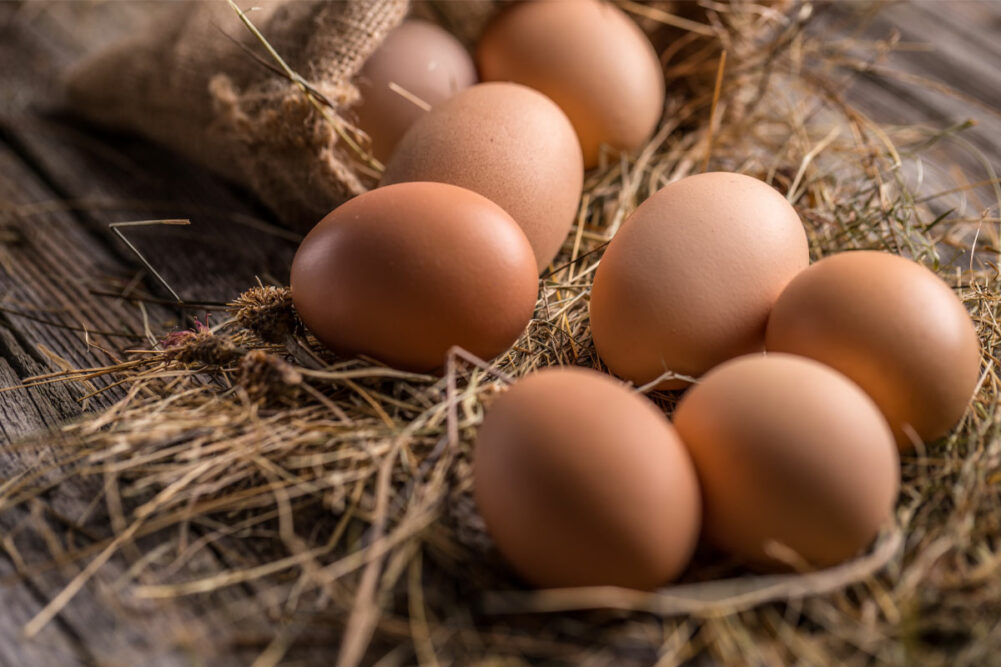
(338, 491)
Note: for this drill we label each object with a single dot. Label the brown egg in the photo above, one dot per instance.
(790, 453)
(403, 273)
(689, 280)
(423, 60)
(893, 327)
(590, 58)
(510, 144)
(583, 482)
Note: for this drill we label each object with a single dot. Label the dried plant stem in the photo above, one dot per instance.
(307, 90)
(713, 109)
(116, 228)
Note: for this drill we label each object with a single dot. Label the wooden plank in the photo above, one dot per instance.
(949, 46)
(22, 412)
(42, 236)
(215, 264)
(47, 269)
(43, 274)
(225, 250)
(53, 646)
(103, 623)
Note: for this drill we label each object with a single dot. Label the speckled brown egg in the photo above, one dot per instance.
(508, 143)
(404, 272)
(583, 482)
(690, 278)
(590, 58)
(797, 465)
(893, 327)
(417, 66)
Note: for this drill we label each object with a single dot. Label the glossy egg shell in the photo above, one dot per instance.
(583, 482)
(425, 61)
(508, 143)
(791, 452)
(590, 58)
(403, 273)
(689, 280)
(893, 327)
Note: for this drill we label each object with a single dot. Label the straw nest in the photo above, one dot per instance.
(337, 492)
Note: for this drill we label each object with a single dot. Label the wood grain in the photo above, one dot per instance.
(44, 274)
(945, 73)
(51, 257)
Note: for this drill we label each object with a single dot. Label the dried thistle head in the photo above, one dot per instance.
(179, 338)
(267, 312)
(269, 380)
(199, 346)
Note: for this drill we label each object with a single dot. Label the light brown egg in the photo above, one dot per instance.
(691, 276)
(590, 58)
(893, 327)
(403, 273)
(423, 60)
(790, 452)
(583, 482)
(510, 144)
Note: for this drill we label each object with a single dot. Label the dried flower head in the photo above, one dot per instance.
(269, 380)
(268, 312)
(199, 346)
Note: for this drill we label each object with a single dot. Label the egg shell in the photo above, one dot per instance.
(582, 481)
(508, 143)
(590, 58)
(403, 273)
(789, 451)
(424, 60)
(893, 327)
(690, 278)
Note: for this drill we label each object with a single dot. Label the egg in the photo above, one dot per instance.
(690, 278)
(417, 66)
(893, 327)
(590, 58)
(793, 460)
(583, 482)
(508, 143)
(403, 273)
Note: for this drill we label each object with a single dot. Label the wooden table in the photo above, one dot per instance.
(61, 184)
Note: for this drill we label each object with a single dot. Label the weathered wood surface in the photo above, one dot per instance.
(952, 45)
(62, 182)
(52, 258)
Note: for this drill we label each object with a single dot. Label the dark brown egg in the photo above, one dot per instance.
(583, 482)
(404, 272)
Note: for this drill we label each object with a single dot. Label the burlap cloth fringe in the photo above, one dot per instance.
(189, 83)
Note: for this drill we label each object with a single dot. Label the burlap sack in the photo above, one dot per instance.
(189, 83)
